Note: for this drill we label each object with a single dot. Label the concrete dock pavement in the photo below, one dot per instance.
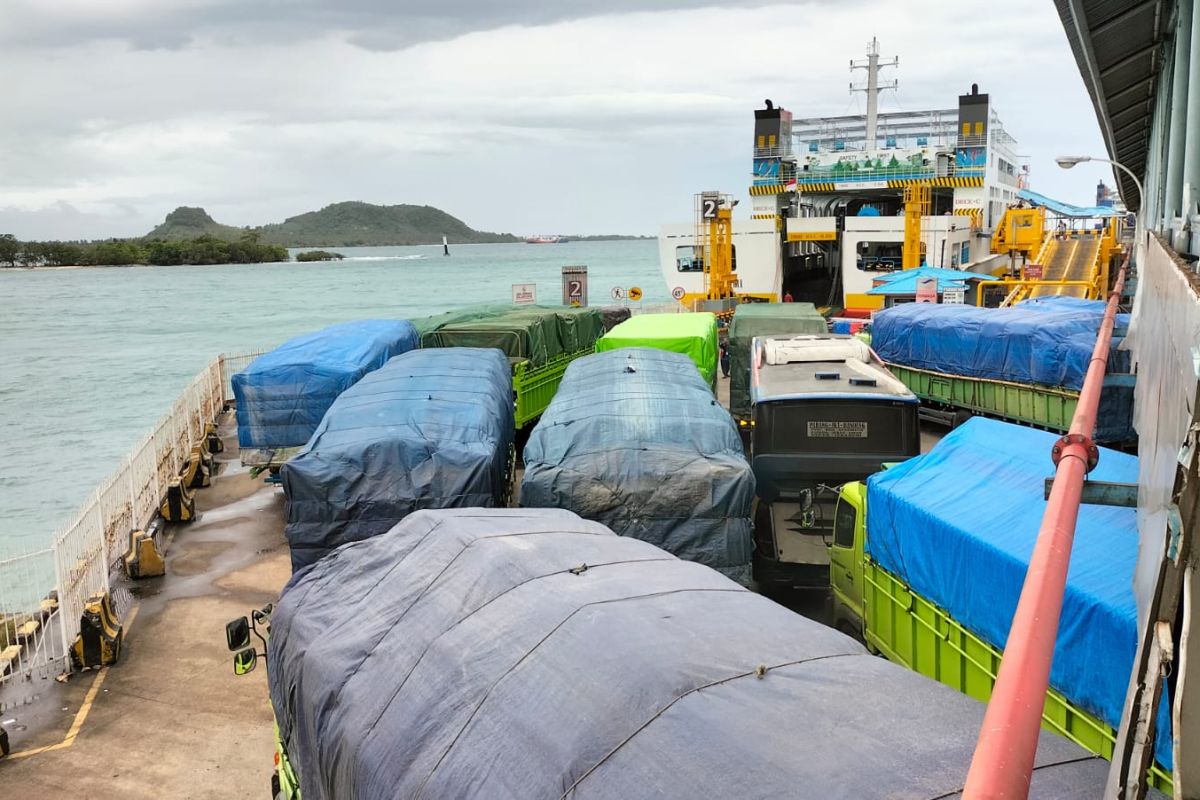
(170, 719)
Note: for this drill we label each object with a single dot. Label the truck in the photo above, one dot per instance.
(282, 395)
(429, 429)
(1023, 364)
(529, 653)
(762, 319)
(540, 343)
(928, 558)
(692, 333)
(825, 411)
(634, 440)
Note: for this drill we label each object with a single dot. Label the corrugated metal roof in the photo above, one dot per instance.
(1118, 45)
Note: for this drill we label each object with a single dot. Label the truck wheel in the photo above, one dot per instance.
(960, 416)
(3, 743)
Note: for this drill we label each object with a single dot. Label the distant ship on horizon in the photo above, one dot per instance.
(546, 240)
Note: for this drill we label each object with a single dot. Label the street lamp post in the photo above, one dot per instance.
(1066, 162)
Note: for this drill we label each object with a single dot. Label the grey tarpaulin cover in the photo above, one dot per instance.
(634, 439)
(469, 653)
(429, 429)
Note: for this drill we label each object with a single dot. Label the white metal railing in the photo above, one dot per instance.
(78, 563)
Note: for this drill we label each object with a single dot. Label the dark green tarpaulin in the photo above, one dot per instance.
(536, 333)
(762, 319)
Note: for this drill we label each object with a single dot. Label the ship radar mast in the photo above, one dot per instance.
(872, 88)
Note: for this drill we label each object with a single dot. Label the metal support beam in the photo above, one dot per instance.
(1104, 493)
(1178, 116)
(1191, 147)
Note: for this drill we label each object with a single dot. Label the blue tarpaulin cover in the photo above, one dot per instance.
(528, 654)
(634, 439)
(429, 429)
(282, 395)
(958, 525)
(1045, 345)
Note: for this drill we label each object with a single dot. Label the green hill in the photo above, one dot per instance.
(186, 222)
(339, 225)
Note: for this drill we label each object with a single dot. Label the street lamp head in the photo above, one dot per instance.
(1066, 162)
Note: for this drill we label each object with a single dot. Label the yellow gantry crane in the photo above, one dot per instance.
(918, 201)
(714, 238)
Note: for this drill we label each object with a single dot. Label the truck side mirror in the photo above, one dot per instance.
(263, 614)
(244, 661)
(237, 633)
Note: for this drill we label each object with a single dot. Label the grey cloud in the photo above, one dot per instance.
(376, 25)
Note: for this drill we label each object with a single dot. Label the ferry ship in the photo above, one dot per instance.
(157, 712)
(835, 201)
(545, 240)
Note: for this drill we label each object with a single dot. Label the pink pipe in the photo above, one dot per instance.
(1003, 762)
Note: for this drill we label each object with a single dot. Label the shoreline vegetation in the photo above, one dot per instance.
(138, 252)
(190, 236)
(318, 255)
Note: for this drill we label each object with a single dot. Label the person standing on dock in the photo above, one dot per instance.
(787, 297)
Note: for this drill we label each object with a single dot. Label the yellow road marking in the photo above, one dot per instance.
(82, 714)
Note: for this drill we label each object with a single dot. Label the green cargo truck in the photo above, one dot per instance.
(878, 606)
(540, 342)
(952, 399)
(762, 319)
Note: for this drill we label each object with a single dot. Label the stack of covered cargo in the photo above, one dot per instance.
(430, 429)
(516, 654)
(282, 396)
(1046, 342)
(534, 334)
(634, 439)
(762, 319)
(693, 334)
(958, 526)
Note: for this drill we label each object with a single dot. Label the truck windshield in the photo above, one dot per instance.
(844, 426)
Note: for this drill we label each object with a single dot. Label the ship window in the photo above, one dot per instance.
(689, 259)
(843, 524)
(880, 256)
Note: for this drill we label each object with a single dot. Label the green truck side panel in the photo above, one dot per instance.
(910, 630)
(535, 386)
(1033, 405)
(762, 319)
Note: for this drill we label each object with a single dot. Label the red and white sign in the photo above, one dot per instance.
(524, 293)
(927, 290)
(678, 293)
(1033, 272)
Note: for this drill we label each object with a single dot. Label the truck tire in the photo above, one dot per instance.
(3, 743)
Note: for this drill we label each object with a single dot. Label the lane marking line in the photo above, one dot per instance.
(82, 714)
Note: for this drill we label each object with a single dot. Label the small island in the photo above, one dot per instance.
(319, 255)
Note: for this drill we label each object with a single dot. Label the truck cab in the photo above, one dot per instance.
(846, 556)
(825, 411)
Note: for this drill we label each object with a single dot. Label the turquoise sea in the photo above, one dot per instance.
(91, 357)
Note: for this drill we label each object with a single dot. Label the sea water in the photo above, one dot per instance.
(91, 357)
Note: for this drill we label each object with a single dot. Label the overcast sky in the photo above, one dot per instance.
(572, 116)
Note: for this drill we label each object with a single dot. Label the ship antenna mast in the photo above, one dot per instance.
(872, 88)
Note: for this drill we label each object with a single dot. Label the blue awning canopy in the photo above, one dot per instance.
(905, 281)
(1066, 209)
